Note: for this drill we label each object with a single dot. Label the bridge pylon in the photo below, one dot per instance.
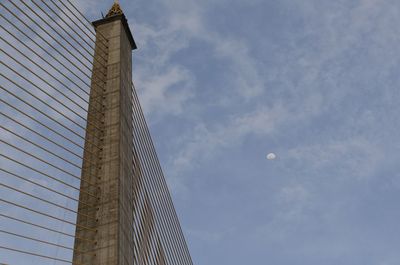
(104, 231)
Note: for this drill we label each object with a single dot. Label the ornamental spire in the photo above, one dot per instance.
(115, 9)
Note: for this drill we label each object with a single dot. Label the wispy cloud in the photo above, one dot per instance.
(184, 24)
(205, 142)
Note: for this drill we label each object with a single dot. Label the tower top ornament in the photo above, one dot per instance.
(115, 9)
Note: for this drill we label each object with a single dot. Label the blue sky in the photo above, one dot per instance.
(224, 83)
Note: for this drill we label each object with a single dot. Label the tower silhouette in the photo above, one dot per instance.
(125, 214)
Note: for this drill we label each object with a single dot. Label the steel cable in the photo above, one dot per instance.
(92, 57)
(162, 179)
(42, 124)
(40, 147)
(44, 227)
(36, 32)
(47, 163)
(45, 126)
(50, 35)
(37, 255)
(45, 187)
(40, 100)
(79, 12)
(69, 26)
(90, 29)
(48, 176)
(155, 160)
(41, 199)
(46, 138)
(46, 215)
(55, 128)
(40, 135)
(149, 184)
(44, 60)
(43, 113)
(44, 149)
(156, 205)
(49, 54)
(48, 116)
(47, 82)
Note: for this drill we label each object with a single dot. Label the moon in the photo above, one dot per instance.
(271, 156)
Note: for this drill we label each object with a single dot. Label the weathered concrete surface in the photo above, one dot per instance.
(104, 224)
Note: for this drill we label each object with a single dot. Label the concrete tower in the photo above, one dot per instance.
(104, 233)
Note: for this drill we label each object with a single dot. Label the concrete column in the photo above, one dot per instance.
(105, 213)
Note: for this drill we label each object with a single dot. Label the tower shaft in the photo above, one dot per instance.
(105, 213)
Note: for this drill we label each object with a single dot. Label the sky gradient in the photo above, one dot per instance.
(224, 83)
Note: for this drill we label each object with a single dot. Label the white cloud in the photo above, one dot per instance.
(352, 157)
(186, 23)
(166, 92)
(205, 142)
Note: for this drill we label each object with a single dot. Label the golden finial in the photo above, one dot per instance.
(115, 9)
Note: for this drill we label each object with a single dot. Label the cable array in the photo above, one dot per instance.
(53, 78)
(46, 61)
(152, 197)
